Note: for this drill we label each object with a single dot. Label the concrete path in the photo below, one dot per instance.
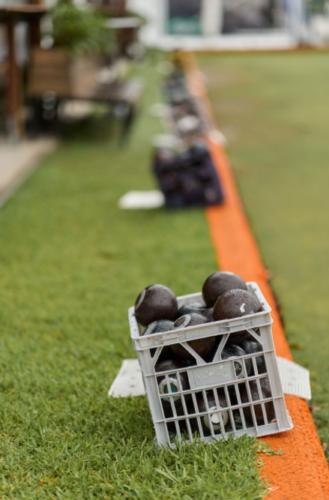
(17, 162)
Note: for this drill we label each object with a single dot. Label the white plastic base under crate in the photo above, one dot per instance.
(216, 397)
(134, 200)
(295, 380)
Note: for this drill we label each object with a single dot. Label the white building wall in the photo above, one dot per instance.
(155, 12)
(211, 19)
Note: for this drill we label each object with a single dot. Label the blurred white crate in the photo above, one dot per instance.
(242, 399)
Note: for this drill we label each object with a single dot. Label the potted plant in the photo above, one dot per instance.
(69, 68)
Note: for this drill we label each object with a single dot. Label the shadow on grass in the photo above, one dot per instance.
(92, 129)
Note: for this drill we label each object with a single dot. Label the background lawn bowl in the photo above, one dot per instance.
(71, 263)
(274, 111)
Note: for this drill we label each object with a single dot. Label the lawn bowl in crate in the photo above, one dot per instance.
(229, 390)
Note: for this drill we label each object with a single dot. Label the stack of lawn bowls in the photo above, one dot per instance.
(185, 111)
(187, 178)
(208, 361)
(185, 173)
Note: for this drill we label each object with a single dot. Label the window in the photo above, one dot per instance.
(183, 17)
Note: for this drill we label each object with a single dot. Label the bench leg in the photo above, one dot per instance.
(127, 124)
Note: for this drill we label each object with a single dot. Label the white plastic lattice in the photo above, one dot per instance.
(217, 395)
(294, 378)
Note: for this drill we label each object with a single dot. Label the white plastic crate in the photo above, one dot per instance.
(240, 395)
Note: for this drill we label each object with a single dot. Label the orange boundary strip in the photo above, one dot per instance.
(302, 471)
(300, 50)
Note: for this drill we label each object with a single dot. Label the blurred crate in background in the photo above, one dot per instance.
(188, 179)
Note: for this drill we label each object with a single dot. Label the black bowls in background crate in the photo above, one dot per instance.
(175, 89)
(188, 179)
(187, 120)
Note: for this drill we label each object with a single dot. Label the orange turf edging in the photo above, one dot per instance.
(300, 50)
(301, 473)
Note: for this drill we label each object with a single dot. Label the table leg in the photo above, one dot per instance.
(14, 89)
(35, 33)
(127, 124)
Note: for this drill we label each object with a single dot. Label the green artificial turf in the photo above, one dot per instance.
(274, 111)
(71, 263)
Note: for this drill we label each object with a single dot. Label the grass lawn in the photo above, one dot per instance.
(71, 263)
(274, 111)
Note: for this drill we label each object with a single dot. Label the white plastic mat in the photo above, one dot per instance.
(295, 380)
(134, 200)
(129, 381)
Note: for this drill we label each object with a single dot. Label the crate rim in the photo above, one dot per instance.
(225, 322)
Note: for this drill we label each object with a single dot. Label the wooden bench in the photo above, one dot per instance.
(54, 73)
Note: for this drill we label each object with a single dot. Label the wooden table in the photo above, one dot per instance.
(121, 97)
(10, 16)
